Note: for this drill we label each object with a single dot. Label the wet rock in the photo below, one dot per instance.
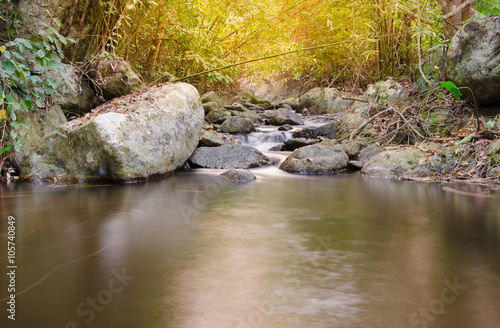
(328, 130)
(239, 175)
(355, 165)
(316, 159)
(116, 78)
(235, 124)
(210, 139)
(277, 148)
(292, 144)
(284, 116)
(399, 163)
(229, 157)
(153, 135)
(285, 127)
(473, 59)
(217, 116)
(323, 100)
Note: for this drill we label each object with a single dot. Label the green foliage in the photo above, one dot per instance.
(24, 85)
(488, 7)
(179, 38)
(450, 86)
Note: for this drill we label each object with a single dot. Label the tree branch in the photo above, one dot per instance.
(458, 9)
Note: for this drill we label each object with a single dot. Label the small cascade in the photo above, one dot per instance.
(265, 137)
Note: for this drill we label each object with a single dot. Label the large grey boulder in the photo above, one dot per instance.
(235, 124)
(323, 100)
(316, 159)
(116, 78)
(229, 157)
(146, 136)
(473, 59)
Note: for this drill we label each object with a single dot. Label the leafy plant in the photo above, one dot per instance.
(450, 86)
(25, 84)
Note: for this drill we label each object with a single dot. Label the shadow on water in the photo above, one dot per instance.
(194, 250)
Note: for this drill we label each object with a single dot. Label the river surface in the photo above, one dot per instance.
(193, 251)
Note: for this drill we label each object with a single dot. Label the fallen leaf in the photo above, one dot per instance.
(422, 161)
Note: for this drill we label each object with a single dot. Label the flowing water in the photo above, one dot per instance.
(193, 251)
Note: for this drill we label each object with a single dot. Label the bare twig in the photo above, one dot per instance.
(365, 123)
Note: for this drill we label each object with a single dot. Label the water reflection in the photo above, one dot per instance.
(284, 251)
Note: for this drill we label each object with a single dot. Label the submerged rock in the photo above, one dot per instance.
(154, 135)
(239, 175)
(473, 59)
(229, 157)
(316, 159)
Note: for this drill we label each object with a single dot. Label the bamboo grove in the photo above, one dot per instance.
(176, 38)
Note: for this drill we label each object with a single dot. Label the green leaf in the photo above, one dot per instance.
(4, 149)
(490, 124)
(7, 54)
(15, 125)
(466, 139)
(20, 74)
(41, 53)
(27, 104)
(13, 134)
(10, 99)
(450, 86)
(9, 67)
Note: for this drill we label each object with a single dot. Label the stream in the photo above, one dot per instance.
(194, 250)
